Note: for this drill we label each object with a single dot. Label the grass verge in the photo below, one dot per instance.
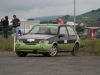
(90, 47)
(6, 44)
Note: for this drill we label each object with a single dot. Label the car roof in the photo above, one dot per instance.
(91, 28)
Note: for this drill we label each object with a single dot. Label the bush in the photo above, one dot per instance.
(6, 44)
(91, 46)
(78, 27)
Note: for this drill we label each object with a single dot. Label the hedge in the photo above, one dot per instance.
(10, 28)
(9, 32)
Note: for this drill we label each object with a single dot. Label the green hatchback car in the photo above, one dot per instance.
(48, 40)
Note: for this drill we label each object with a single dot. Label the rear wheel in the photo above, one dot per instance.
(53, 52)
(21, 54)
(75, 50)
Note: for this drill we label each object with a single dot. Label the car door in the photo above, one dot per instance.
(72, 38)
(80, 33)
(62, 41)
(86, 33)
(83, 33)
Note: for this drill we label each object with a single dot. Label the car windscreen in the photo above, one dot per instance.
(49, 30)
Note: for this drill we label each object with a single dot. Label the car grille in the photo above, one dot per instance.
(35, 41)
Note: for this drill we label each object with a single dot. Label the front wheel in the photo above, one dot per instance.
(53, 52)
(75, 50)
(21, 54)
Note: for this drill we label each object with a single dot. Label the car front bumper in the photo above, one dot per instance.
(31, 48)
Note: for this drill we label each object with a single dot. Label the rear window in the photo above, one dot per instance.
(97, 31)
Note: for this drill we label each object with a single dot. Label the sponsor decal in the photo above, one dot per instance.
(30, 40)
(65, 41)
(56, 27)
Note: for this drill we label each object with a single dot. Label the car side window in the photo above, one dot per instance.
(63, 30)
(71, 31)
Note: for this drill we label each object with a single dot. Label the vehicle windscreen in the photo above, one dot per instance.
(48, 30)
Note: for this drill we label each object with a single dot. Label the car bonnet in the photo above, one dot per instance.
(36, 36)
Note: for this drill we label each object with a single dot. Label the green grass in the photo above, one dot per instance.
(87, 46)
(6, 44)
(91, 46)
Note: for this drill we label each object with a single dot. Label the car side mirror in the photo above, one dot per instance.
(61, 35)
(25, 33)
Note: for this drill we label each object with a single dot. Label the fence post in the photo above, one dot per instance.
(30, 26)
(24, 27)
(14, 41)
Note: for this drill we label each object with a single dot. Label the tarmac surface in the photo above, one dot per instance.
(63, 64)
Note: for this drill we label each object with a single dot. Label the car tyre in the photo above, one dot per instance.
(75, 50)
(54, 51)
(21, 54)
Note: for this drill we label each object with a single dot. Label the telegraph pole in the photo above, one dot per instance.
(74, 14)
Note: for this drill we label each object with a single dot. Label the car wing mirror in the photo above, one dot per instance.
(61, 35)
(25, 33)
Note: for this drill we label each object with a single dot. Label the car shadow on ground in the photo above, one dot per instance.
(58, 55)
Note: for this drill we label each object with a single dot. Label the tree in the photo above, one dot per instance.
(78, 27)
(98, 10)
(98, 19)
(66, 17)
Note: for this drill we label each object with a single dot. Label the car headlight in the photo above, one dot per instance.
(43, 43)
(17, 45)
(20, 40)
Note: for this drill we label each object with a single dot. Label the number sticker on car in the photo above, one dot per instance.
(30, 40)
(65, 41)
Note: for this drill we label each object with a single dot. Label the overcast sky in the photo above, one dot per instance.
(39, 8)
